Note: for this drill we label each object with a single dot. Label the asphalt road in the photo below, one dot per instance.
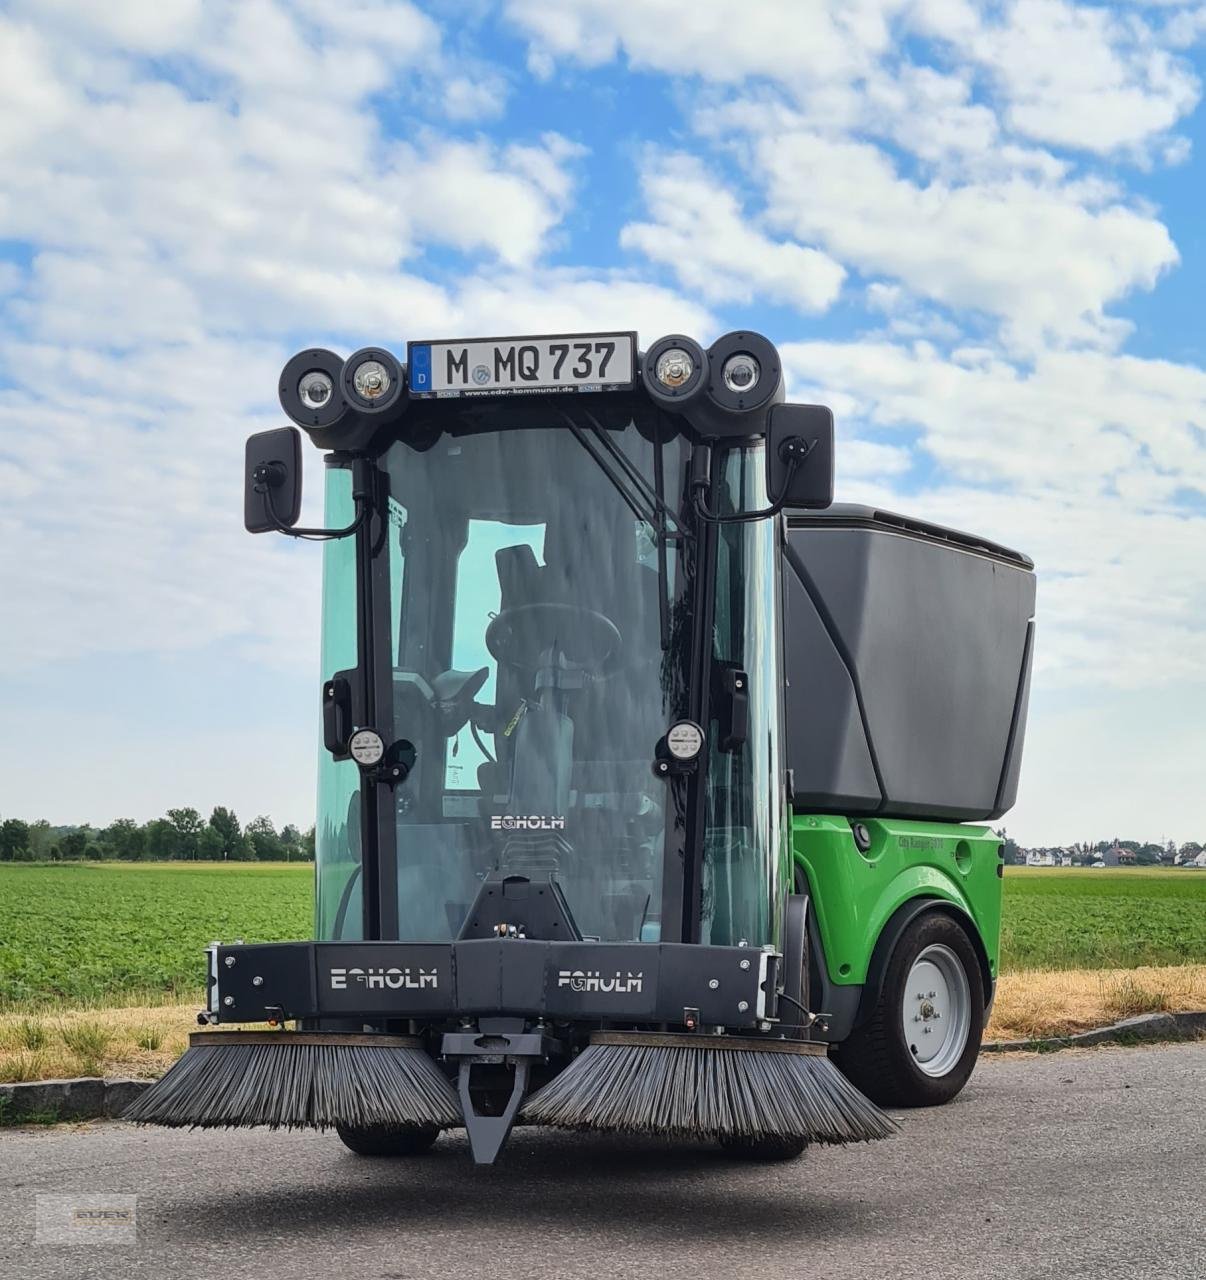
(1078, 1164)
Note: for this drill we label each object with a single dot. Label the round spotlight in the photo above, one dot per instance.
(746, 375)
(372, 380)
(674, 367)
(315, 389)
(309, 389)
(366, 747)
(674, 371)
(685, 740)
(741, 373)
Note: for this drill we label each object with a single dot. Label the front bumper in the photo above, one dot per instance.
(634, 982)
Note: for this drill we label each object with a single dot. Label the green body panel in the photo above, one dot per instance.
(855, 894)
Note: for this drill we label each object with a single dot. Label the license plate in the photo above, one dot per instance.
(522, 366)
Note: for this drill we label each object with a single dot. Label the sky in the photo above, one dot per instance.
(976, 230)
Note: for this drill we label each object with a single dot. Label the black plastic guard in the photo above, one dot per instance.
(581, 981)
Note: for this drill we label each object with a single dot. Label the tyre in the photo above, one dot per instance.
(918, 1047)
(387, 1140)
(763, 1150)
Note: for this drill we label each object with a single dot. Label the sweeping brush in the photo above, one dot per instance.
(708, 1086)
(299, 1079)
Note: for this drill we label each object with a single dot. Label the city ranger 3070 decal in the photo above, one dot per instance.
(380, 979)
(593, 980)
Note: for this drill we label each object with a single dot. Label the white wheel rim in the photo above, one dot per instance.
(936, 1014)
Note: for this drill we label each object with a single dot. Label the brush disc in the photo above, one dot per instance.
(287, 1079)
(708, 1087)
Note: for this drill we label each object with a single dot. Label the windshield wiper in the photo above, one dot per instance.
(651, 495)
(602, 464)
(607, 456)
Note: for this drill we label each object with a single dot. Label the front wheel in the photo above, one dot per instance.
(762, 1150)
(918, 1047)
(388, 1140)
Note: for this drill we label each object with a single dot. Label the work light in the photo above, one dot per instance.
(315, 388)
(674, 371)
(366, 747)
(685, 740)
(372, 380)
(309, 389)
(674, 367)
(746, 374)
(740, 373)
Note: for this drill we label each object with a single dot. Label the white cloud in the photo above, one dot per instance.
(142, 26)
(1085, 463)
(698, 232)
(474, 98)
(927, 176)
(181, 231)
(1047, 258)
(195, 183)
(1074, 75)
(472, 198)
(782, 39)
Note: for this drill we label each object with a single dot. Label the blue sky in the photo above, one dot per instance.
(975, 229)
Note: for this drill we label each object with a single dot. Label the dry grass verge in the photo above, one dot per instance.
(1040, 1003)
(139, 1042)
(143, 1041)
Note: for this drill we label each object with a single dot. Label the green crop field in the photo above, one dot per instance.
(83, 932)
(107, 933)
(1080, 918)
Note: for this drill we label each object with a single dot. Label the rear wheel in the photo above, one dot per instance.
(763, 1150)
(918, 1047)
(387, 1140)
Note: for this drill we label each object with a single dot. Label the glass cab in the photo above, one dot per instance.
(542, 605)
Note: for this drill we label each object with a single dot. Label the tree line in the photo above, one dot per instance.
(180, 835)
(1084, 853)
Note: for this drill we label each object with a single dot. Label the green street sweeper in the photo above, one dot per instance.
(654, 785)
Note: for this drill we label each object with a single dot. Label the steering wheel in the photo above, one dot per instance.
(521, 635)
(452, 694)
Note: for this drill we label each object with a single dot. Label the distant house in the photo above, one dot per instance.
(1040, 858)
(1117, 856)
(1199, 861)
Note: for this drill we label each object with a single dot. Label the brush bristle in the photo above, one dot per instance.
(708, 1092)
(288, 1086)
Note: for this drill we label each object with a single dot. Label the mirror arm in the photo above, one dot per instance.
(793, 451)
(271, 475)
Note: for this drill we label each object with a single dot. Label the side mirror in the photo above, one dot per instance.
(272, 480)
(802, 433)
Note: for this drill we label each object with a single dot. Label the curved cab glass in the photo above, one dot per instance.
(527, 616)
(745, 846)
